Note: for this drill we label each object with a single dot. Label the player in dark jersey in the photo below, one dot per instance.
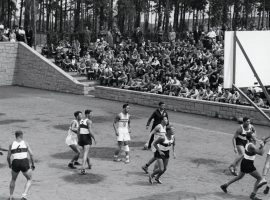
(239, 141)
(247, 165)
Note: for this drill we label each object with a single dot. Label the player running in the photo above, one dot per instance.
(247, 166)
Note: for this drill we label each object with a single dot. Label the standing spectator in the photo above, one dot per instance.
(29, 36)
(87, 36)
(160, 35)
(2, 34)
(172, 36)
(197, 34)
(12, 36)
(138, 37)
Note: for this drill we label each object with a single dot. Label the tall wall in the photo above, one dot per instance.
(8, 57)
(206, 108)
(23, 66)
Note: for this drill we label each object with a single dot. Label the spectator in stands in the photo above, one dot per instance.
(12, 36)
(208, 93)
(226, 97)
(172, 36)
(193, 93)
(160, 35)
(66, 64)
(258, 101)
(29, 36)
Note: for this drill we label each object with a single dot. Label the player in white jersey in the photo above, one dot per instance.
(85, 138)
(18, 161)
(247, 166)
(239, 142)
(158, 131)
(122, 130)
(72, 139)
(162, 146)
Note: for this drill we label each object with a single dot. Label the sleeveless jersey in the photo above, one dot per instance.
(76, 124)
(19, 150)
(161, 132)
(123, 121)
(84, 127)
(247, 154)
(166, 145)
(244, 132)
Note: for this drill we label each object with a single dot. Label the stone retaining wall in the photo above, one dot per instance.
(23, 66)
(206, 108)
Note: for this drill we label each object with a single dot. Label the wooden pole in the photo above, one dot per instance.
(252, 103)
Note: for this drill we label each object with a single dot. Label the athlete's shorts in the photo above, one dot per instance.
(84, 139)
(20, 165)
(72, 138)
(123, 136)
(240, 142)
(158, 156)
(247, 166)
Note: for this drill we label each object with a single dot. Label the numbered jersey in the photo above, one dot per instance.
(123, 121)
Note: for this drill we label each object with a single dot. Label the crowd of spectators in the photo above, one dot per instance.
(17, 34)
(191, 67)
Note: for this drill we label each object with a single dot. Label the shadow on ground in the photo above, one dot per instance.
(2, 165)
(104, 153)
(6, 198)
(62, 127)
(182, 195)
(88, 178)
(11, 121)
(136, 144)
(1, 114)
(205, 161)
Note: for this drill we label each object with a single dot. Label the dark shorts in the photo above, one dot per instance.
(247, 166)
(240, 142)
(20, 165)
(84, 139)
(158, 156)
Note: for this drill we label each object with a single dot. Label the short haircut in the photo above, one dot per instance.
(77, 113)
(87, 112)
(245, 119)
(125, 105)
(18, 134)
(160, 103)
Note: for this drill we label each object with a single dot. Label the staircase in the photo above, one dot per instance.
(89, 84)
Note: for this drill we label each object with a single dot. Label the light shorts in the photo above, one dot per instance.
(72, 138)
(123, 135)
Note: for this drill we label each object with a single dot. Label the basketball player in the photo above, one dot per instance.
(157, 117)
(239, 141)
(72, 139)
(122, 130)
(17, 159)
(158, 131)
(85, 138)
(247, 165)
(162, 146)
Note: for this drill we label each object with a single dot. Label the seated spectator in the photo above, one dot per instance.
(235, 97)
(184, 91)
(258, 101)
(157, 88)
(66, 64)
(208, 93)
(204, 81)
(226, 97)
(58, 59)
(82, 67)
(122, 79)
(193, 93)
(201, 93)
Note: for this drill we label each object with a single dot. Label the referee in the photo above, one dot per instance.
(157, 116)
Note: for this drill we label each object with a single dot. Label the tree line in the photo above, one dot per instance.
(69, 16)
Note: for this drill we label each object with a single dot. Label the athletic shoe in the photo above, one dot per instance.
(253, 196)
(145, 169)
(261, 183)
(150, 179)
(224, 188)
(127, 161)
(266, 190)
(71, 166)
(158, 180)
(77, 163)
(116, 159)
(83, 172)
(90, 166)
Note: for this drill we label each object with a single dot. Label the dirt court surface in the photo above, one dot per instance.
(204, 152)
